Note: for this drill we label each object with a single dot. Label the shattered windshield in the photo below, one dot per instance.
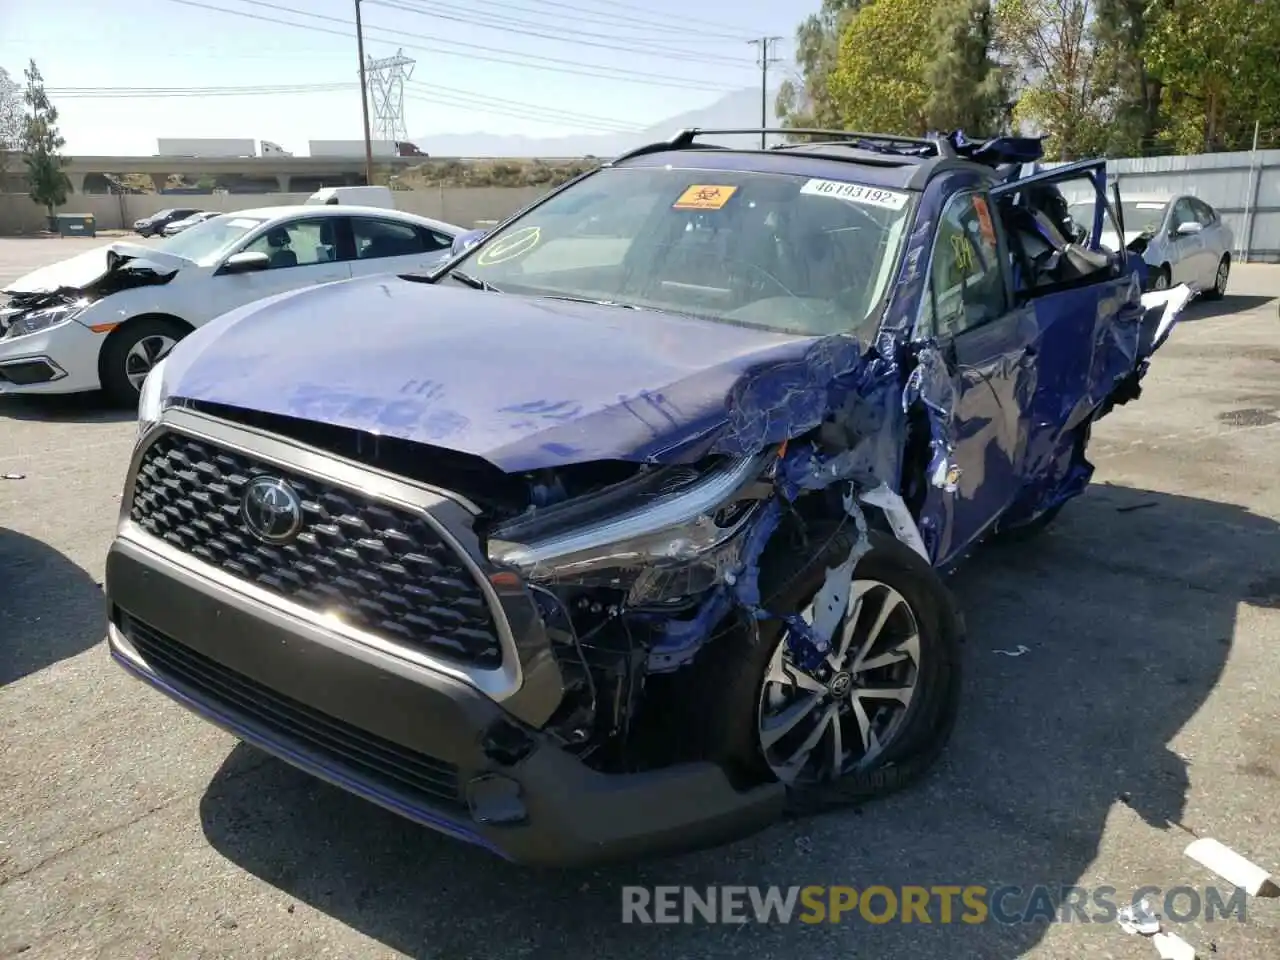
(209, 237)
(780, 252)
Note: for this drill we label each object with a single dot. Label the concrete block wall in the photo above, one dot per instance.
(466, 207)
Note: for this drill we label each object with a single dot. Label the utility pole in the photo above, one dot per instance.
(764, 43)
(364, 101)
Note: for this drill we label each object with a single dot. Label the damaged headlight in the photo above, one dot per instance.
(151, 399)
(664, 545)
(36, 320)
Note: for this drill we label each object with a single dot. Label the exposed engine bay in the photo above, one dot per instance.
(30, 310)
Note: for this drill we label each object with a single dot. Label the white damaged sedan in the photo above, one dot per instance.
(103, 319)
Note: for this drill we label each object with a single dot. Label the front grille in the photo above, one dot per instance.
(363, 755)
(379, 568)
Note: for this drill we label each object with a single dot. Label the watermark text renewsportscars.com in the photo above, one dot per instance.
(938, 904)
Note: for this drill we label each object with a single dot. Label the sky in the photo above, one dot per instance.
(533, 67)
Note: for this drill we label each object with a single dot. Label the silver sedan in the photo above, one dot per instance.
(1181, 238)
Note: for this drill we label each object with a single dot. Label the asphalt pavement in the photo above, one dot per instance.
(1123, 697)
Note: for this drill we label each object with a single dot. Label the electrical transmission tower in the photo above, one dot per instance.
(386, 91)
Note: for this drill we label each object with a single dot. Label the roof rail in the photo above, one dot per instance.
(684, 139)
(940, 145)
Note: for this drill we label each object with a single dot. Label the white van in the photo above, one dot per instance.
(360, 196)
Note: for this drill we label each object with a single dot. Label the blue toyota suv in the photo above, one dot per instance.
(624, 531)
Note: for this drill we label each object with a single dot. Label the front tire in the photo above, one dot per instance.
(873, 715)
(1219, 289)
(1162, 279)
(131, 352)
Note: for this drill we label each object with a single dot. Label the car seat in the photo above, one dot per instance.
(281, 255)
(327, 250)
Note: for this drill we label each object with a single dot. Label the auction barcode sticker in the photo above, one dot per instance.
(856, 193)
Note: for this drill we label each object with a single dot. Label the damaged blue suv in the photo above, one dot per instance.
(624, 531)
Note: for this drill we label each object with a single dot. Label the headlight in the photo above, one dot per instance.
(38, 320)
(642, 545)
(151, 399)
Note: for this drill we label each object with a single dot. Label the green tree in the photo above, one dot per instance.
(1217, 61)
(12, 121)
(808, 103)
(878, 82)
(1120, 31)
(1064, 90)
(47, 183)
(966, 87)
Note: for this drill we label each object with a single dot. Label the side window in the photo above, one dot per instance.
(387, 238)
(966, 277)
(433, 242)
(301, 243)
(1204, 213)
(1183, 213)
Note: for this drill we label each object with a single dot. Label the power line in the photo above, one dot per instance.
(505, 24)
(538, 18)
(580, 13)
(632, 7)
(431, 93)
(439, 100)
(151, 93)
(573, 67)
(587, 120)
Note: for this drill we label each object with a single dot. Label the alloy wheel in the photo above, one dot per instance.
(821, 724)
(144, 355)
(1224, 271)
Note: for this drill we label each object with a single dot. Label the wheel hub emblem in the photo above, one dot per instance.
(271, 509)
(840, 684)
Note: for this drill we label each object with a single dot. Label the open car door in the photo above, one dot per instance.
(1093, 329)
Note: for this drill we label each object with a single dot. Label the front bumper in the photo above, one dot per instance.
(61, 359)
(427, 746)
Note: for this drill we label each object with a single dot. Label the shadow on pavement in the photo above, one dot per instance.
(1202, 309)
(67, 408)
(50, 609)
(1124, 613)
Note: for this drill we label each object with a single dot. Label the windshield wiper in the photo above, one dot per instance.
(601, 303)
(473, 282)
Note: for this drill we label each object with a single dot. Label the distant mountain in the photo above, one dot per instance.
(739, 109)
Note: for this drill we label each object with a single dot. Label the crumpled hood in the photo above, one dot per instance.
(524, 383)
(82, 270)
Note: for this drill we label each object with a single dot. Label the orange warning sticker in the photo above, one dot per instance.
(703, 196)
(984, 220)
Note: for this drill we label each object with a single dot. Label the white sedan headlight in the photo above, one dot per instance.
(38, 320)
(151, 399)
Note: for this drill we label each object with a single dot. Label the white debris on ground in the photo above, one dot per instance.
(1139, 918)
(1232, 867)
(1172, 947)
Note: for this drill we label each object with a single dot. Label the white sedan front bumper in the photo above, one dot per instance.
(60, 359)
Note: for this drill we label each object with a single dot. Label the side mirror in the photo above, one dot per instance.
(245, 262)
(1190, 228)
(466, 240)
